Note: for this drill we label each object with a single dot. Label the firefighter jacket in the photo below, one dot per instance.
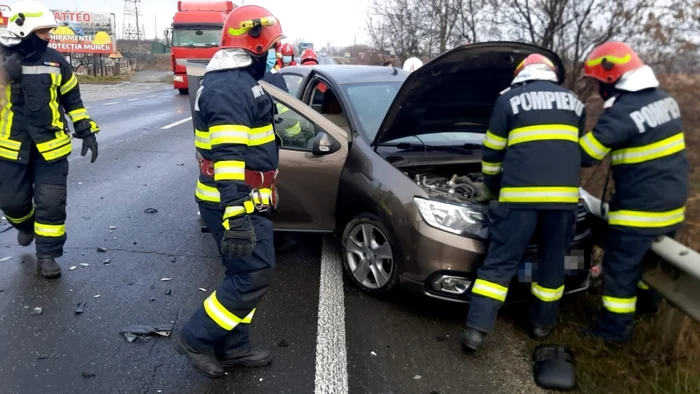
(644, 133)
(530, 153)
(233, 129)
(34, 108)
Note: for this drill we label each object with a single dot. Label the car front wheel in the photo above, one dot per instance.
(368, 256)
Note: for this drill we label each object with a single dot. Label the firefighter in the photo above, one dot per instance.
(309, 57)
(531, 164)
(641, 128)
(233, 120)
(287, 52)
(34, 145)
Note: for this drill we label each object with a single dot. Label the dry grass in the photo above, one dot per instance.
(642, 366)
(102, 80)
(160, 62)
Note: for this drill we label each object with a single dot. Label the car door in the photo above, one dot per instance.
(312, 157)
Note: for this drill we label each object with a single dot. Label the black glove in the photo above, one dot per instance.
(89, 143)
(12, 66)
(85, 129)
(239, 241)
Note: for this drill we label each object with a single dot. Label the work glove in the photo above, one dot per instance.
(12, 68)
(486, 196)
(85, 130)
(238, 242)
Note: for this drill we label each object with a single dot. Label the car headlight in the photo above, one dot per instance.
(470, 220)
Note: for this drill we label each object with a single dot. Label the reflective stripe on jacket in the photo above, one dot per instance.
(643, 133)
(530, 153)
(33, 109)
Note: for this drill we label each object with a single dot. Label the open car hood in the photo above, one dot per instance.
(457, 90)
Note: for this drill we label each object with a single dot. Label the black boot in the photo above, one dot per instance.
(472, 339)
(254, 358)
(48, 267)
(540, 333)
(25, 238)
(205, 363)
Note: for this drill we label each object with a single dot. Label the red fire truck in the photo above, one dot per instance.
(194, 35)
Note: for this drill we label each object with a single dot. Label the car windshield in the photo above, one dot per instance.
(370, 101)
(195, 37)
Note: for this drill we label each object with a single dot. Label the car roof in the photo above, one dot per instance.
(351, 74)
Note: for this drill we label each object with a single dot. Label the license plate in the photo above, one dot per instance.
(574, 264)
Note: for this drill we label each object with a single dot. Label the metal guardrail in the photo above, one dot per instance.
(676, 272)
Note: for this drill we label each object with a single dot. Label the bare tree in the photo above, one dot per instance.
(398, 26)
(296, 43)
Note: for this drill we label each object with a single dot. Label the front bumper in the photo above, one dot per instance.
(180, 81)
(448, 275)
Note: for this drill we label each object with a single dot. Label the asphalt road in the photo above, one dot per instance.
(326, 335)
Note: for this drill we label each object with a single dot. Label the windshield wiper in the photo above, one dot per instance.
(466, 149)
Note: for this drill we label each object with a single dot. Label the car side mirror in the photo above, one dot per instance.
(324, 144)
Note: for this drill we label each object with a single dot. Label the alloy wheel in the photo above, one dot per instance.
(369, 256)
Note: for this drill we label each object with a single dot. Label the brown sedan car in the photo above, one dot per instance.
(390, 162)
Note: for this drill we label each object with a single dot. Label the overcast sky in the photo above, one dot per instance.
(318, 21)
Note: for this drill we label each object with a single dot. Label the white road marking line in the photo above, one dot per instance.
(112, 103)
(179, 122)
(133, 99)
(153, 95)
(331, 354)
(87, 107)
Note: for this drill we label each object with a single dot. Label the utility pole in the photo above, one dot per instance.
(133, 30)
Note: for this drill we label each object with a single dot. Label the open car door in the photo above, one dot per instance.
(312, 157)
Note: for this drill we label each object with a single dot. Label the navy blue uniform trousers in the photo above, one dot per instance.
(511, 231)
(244, 286)
(623, 290)
(33, 198)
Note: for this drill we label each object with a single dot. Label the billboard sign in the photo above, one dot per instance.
(84, 32)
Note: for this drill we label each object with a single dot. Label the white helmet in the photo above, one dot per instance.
(412, 64)
(28, 16)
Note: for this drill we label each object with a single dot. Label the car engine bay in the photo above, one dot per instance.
(446, 183)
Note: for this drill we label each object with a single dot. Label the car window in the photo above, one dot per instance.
(293, 82)
(317, 95)
(371, 101)
(295, 131)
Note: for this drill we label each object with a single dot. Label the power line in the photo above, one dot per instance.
(132, 27)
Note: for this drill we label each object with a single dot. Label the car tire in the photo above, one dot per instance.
(184, 91)
(379, 267)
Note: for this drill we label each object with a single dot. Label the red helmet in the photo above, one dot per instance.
(535, 58)
(309, 56)
(608, 62)
(252, 28)
(287, 49)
